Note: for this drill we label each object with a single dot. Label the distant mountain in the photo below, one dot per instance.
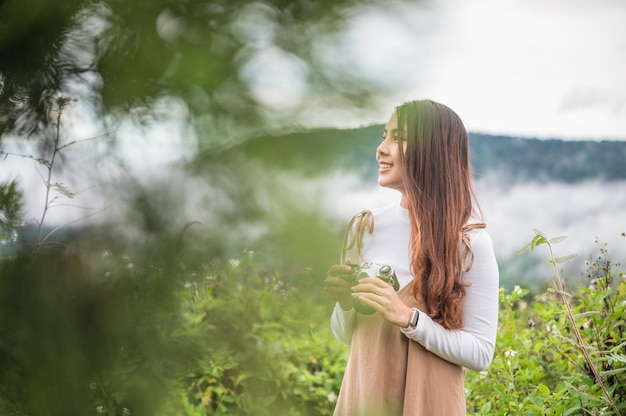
(514, 159)
(522, 159)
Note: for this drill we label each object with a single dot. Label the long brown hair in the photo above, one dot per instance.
(438, 189)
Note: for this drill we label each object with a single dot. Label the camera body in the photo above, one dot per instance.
(383, 272)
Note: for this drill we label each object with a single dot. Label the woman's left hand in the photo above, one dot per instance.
(381, 296)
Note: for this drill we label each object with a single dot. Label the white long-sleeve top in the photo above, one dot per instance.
(473, 345)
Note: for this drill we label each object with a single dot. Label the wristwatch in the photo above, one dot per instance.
(415, 316)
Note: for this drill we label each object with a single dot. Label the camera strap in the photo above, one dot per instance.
(353, 236)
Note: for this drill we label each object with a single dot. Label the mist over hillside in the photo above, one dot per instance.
(571, 188)
(288, 184)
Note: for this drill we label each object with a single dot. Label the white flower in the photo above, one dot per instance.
(106, 254)
(510, 353)
(99, 409)
(332, 397)
(553, 329)
(234, 262)
(187, 285)
(517, 290)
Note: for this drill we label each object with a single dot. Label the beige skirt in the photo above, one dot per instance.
(389, 375)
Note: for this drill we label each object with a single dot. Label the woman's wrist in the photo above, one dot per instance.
(403, 321)
(414, 315)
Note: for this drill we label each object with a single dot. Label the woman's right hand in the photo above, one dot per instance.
(338, 285)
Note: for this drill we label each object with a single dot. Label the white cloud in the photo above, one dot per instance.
(524, 68)
(513, 67)
(579, 211)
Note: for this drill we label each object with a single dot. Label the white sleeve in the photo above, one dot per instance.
(473, 345)
(342, 324)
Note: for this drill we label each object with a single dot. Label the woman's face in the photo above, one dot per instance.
(388, 156)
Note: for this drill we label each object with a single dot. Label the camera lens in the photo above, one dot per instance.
(385, 270)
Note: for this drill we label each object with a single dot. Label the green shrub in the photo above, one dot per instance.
(237, 337)
(539, 368)
(243, 342)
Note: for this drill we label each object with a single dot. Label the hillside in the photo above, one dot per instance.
(523, 160)
(514, 159)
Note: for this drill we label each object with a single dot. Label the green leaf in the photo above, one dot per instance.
(62, 189)
(573, 410)
(241, 378)
(536, 407)
(523, 249)
(618, 357)
(537, 241)
(612, 372)
(563, 259)
(544, 389)
(557, 240)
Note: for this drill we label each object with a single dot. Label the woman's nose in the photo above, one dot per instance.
(381, 150)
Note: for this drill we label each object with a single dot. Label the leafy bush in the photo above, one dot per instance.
(243, 342)
(237, 337)
(262, 348)
(539, 367)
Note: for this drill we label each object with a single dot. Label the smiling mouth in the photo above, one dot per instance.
(385, 166)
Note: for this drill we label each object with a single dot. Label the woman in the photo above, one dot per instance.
(409, 358)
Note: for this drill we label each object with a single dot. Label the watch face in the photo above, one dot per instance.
(414, 317)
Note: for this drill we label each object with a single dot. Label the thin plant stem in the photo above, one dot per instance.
(579, 337)
(48, 181)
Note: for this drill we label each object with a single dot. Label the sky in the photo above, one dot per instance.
(528, 68)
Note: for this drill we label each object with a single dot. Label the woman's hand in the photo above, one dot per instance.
(379, 295)
(338, 285)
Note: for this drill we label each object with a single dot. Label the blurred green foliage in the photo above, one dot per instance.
(110, 332)
(120, 57)
(11, 212)
(70, 327)
(136, 332)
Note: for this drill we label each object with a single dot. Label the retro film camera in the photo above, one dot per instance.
(361, 223)
(369, 269)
